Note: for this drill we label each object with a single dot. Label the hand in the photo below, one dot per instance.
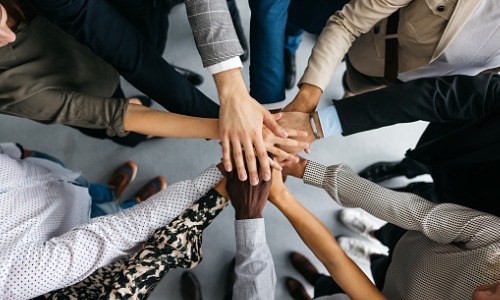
(306, 100)
(295, 142)
(241, 118)
(248, 200)
(296, 170)
(297, 121)
(278, 188)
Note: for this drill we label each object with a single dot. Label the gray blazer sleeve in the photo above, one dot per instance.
(254, 267)
(213, 30)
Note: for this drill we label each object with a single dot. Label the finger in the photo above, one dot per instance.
(290, 143)
(226, 154)
(282, 155)
(277, 116)
(261, 152)
(238, 160)
(297, 133)
(275, 165)
(251, 162)
(307, 150)
(275, 128)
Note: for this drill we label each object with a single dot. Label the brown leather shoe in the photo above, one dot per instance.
(190, 287)
(149, 189)
(121, 177)
(304, 267)
(296, 289)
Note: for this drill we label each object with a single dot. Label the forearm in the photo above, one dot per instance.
(319, 239)
(437, 100)
(148, 121)
(254, 266)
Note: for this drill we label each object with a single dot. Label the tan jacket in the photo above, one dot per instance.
(426, 28)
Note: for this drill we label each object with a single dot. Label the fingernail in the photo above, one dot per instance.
(266, 176)
(228, 168)
(254, 181)
(306, 145)
(283, 133)
(242, 176)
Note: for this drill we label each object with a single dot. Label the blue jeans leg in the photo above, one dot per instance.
(102, 200)
(267, 37)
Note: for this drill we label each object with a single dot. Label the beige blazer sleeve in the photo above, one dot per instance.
(357, 17)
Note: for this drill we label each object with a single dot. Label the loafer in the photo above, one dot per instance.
(155, 185)
(381, 171)
(194, 78)
(304, 266)
(121, 177)
(190, 287)
(296, 289)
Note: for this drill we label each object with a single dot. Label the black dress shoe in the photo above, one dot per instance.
(235, 16)
(296, 289)
(190, 287)
(381, 171)
(304, 267)
(290, 70)
(194, 78)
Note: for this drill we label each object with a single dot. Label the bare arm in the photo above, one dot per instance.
(317, 237)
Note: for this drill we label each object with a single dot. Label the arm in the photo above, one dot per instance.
(79, 252)
(444, 223)
(439, 100)
(254, 267)
(317, 237)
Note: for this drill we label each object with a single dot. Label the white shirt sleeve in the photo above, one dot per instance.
(254, 266)
(229, 64)
(36, 268)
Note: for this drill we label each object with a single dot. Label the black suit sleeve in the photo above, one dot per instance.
(438, 100)
(97, 24)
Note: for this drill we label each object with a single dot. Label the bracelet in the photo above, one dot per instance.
(313, 126)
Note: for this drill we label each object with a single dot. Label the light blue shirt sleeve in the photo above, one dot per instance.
(254, 266)
(330, 122)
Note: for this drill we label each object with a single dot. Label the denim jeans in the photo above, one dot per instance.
(267, 37)
(103, 201)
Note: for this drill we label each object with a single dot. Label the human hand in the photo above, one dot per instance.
(241, 122)
(248, 200)
(278, 188)
(296, 142)
(296, 170)
(306, 100)
(301, 122)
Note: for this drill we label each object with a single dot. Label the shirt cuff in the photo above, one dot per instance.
(11, 150)
(250, 232)
(314, 174)
(330, 122)
(229, 64)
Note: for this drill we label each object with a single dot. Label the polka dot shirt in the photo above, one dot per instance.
(47, 240)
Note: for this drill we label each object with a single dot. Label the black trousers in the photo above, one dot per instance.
(171, 90)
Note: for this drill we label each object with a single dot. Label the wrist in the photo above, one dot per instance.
(229, 83)
(307, 98)
(247, 215)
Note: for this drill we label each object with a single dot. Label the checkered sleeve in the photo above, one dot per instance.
(213, 31)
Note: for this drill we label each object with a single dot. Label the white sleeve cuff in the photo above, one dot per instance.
(229, 64)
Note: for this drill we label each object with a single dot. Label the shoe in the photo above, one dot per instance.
(194, 78)
(145, 100)
(241, 36)
(357, 220)
(358, 249)
(190, 287)
(155, 185)
(121, 177)
(290, 70)
(304, 267)
(296, 289)
(381, 171)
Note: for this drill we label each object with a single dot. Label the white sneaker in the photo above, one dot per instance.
(357, 248)
(357, 220)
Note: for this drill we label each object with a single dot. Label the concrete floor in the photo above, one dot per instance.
(179, 159)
